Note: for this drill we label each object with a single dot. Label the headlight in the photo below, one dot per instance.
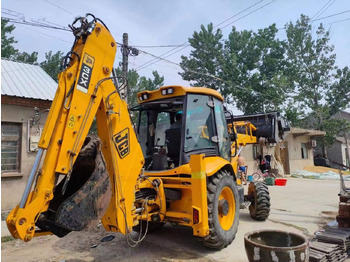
(167, 91)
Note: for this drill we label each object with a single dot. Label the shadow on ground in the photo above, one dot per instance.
(177, 244)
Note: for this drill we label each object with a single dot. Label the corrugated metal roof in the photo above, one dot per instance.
(25, 80)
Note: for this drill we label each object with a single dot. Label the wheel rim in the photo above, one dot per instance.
(226, 218)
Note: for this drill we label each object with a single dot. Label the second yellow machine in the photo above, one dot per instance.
(179, 166)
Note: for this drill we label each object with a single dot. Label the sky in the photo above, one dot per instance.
(164, 22)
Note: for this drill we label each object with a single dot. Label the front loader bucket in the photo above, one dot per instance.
(87, 194)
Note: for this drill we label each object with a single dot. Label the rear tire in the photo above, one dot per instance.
(260, 200)
(223, 210)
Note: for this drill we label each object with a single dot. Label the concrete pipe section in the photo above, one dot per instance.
(276, 246)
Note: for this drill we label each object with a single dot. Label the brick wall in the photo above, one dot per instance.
(22, 101)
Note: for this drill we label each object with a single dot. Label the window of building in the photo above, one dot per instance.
(10, 147)
(304, 151)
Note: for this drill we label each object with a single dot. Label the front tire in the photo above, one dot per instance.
(223, 210)
(258, 193)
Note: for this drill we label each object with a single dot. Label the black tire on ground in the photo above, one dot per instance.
(152, 227)
(221, 183)
(260, 200)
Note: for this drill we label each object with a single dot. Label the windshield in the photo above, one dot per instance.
(199, 131)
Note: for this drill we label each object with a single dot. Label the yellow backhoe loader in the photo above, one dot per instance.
(177, 164)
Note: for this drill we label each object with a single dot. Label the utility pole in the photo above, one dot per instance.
(125, 52)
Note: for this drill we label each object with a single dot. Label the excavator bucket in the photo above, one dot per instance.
(86, 196)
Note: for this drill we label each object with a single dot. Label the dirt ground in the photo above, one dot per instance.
(303, 206)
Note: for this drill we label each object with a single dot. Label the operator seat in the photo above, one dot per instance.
(173, 141)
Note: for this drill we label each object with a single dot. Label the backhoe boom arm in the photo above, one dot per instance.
(85, 91)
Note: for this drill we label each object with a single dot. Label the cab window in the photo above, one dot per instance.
(163, 123)
(199, 129)
(221, 126)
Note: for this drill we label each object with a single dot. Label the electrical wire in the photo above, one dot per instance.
(187, 43)
(59, 7)
(255, 10)
(325, 9)
(238, 13)
(155, 46)
(338, 21)
(315, 15)
(325, 17)
(346, 11)
(16, 21)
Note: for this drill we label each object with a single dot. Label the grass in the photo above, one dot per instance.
(6, 239)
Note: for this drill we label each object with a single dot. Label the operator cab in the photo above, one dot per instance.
(171, 129)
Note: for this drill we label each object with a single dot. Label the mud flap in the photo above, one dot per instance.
(88, 192)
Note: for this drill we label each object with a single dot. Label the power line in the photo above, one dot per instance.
(325, 17)
(347, 11)
(148, 63)
(315, 15)
(36, 24)
(155, 60)
(189, 70)
(338, 21)
(59, 7)
(155, 46)
(49, 35)
(158, 58)
(238, 13)
(325, 9)
(12, 13)
(185, 44)
(255, 10)
(162, 72)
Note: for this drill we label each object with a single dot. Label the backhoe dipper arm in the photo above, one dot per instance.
(85, 90)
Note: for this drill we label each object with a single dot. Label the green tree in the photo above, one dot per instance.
(52, 64)
(27, 58)
(320, 88)
(254, 70)
(205, 59)
(137, 84)
(7, 48)
(338, 97)
(247, 68)
(311, 64)
(151, 84)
